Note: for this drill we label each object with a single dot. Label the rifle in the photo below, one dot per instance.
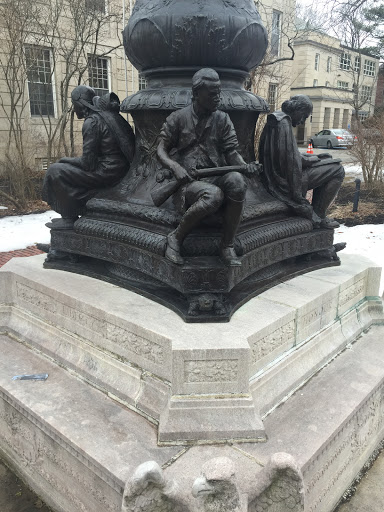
(161, 193)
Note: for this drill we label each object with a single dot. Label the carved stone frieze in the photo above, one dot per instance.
(362, 431)
(211, 371)
(284, 335)
(142, 347)
(12, 413)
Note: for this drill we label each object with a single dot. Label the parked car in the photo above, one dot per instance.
(333, 138)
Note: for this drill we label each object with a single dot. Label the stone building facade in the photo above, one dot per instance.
(341, 82)
(40, 65)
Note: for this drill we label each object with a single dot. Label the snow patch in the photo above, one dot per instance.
(367, 240)
(20, 231)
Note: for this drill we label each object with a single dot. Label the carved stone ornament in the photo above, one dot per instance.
(201, 257)
(278, 487)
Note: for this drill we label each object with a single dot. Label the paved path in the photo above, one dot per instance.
(341, 153)
(32, 250)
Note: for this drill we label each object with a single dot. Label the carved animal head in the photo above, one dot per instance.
(206, 302)
(149, 491)
(216, 488)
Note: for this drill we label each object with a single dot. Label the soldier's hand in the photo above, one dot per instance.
(180, 173)
(253, 168)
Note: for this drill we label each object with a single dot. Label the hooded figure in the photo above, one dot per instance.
(289, 174)
(108, 149)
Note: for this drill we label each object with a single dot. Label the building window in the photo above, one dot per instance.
(142, 82)
(276, 33)
(42, 164)
(315, 82)
(357, 64)
(363, 115)
(39, 76)
(369, 67)
(366, 93)
(98, 71)
(329, 64)
(345, 61)
(272, 96)
(342, 85)
(97, 6)
(317, 61)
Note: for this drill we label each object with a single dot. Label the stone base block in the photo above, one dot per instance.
(188, 378)
(210, 420)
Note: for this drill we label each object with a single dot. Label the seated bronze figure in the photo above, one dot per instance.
(199, 137)
(289, 174)
(108, 149)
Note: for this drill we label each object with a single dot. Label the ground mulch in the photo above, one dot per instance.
(32, 250)
(370, 207)
(37, 206)
(15, 496)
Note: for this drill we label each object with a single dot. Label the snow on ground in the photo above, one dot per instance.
(367, 240)
(353, 171)
(20, 231)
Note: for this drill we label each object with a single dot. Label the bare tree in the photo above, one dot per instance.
(368, 149)
(41, 42)
(17, 160)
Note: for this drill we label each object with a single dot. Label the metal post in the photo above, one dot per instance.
(356, 197)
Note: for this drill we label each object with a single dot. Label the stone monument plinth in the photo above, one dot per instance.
(129, 381)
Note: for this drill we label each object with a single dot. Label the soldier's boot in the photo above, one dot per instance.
(191, 218)
(232, 218)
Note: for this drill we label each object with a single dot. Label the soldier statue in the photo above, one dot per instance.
(199, 137)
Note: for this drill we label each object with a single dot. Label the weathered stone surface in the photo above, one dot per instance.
(77, 447)
(333, 423)
(210, 419)
(146, 357)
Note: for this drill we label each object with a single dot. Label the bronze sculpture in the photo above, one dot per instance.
(200, 136)
(289, 174)
(192, 224)
(108, 149)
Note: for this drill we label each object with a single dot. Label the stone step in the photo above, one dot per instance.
(73, 444)
(76, 446)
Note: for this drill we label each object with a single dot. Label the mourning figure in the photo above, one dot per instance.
(201, 137)
(108, 149)
(289, 174)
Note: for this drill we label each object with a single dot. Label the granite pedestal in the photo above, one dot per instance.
(129, 381)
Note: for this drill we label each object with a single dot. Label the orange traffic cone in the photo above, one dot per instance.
(310, 149)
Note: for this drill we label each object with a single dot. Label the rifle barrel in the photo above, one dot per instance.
(218, 171)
